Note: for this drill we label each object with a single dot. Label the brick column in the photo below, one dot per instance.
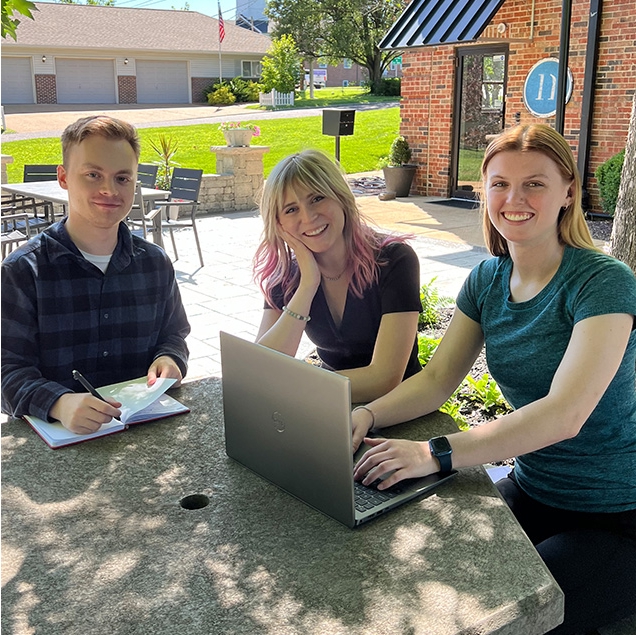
(6, 158)
(127, 85)
(45, 89)
(239, 181)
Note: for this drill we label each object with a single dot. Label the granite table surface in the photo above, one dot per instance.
(95, 541)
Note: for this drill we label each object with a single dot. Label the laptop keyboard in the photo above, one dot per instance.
(366, 498)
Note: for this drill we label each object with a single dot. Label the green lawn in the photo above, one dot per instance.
(373, 133)
(470, 165)
(326, 97)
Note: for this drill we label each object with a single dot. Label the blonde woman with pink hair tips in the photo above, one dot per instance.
(324, 272)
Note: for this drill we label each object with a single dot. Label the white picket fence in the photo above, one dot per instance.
(275, 99)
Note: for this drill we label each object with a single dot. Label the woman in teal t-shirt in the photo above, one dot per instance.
(557, 317)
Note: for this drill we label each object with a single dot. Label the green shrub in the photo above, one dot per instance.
(432, 302)
(608, 175)
(426, 346)
(400, 152)
(389, 87)
(244, 90)
(486, 392)
(222, 96)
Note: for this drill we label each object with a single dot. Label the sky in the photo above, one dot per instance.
(207, 7)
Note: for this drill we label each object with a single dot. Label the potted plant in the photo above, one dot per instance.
(166, 148)
(398, 173)
(239, 133)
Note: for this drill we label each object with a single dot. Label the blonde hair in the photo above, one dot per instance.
(315, 171)
(100, 125)
(572, 228)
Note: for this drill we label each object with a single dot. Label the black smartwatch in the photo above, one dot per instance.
(442, 451)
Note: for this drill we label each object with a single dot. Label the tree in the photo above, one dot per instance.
(338, 29)
(281, 65)
(9, 9)
(623, 240)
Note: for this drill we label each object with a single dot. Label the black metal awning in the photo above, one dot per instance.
(434, 22)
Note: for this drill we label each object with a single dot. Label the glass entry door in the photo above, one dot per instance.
(479, 102)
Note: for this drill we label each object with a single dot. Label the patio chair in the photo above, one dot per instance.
(14, 229)
(29, 210)
(184, 188)
(42, 172)
(147, 174)
(27, 204)
(34, 173)
(139, 218)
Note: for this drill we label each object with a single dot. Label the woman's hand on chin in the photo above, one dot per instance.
(309, 271)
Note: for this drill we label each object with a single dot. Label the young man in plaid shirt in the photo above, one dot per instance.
(86, 294)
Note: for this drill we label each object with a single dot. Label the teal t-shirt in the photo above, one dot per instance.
(525, 342)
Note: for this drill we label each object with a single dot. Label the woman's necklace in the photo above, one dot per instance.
(334, 278)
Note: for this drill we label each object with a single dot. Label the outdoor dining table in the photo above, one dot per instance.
(155, 530)
(53, 192)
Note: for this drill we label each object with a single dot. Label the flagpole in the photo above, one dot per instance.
(221, 37)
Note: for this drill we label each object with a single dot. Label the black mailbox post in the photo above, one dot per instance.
(338, 123)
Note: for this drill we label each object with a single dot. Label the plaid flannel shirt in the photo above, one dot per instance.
(60, 312)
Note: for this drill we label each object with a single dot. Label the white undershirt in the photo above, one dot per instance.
(101, 262)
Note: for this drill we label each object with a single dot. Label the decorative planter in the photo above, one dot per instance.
(173, 212)
(398, 179)
(238, 137)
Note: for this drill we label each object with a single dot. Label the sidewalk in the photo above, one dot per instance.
(34, 121)
(222, 295)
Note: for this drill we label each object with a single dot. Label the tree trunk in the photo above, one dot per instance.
(623, 240)
(375, 73)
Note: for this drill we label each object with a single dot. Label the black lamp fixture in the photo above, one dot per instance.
(43, 59)
(125, 60)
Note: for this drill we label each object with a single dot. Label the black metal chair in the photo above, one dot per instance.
(147, 174)
(139, 218)
(14, 229)
(40, 172)
(39, 214)
(34, 173)
(184, 193)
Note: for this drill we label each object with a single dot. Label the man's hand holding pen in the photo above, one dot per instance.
(82, 413)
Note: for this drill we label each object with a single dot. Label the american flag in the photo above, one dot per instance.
(221, 26)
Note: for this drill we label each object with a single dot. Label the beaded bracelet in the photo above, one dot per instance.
(370, 412)
(297, 316)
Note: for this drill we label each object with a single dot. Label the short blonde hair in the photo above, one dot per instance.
(101, 125)
(572, 228)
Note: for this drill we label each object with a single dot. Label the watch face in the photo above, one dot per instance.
(440, 445)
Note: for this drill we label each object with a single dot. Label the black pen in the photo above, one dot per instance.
(77, 376)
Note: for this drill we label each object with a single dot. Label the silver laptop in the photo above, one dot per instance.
(290, 422)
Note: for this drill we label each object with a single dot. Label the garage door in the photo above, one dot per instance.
(17, 82)
(162, 82)
(85, 81)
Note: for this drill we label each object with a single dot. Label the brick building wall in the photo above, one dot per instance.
(429, 77)
(45, 89)
(199, 84)
(127, 88)
(354, 75)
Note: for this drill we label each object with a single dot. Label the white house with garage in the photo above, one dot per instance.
(84, 54)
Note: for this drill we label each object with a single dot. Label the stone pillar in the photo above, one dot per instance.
(239, 181)
(6, 158)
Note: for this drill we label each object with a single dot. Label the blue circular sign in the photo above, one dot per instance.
(540, 88)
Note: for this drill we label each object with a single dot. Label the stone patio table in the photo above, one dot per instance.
(95, 540)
